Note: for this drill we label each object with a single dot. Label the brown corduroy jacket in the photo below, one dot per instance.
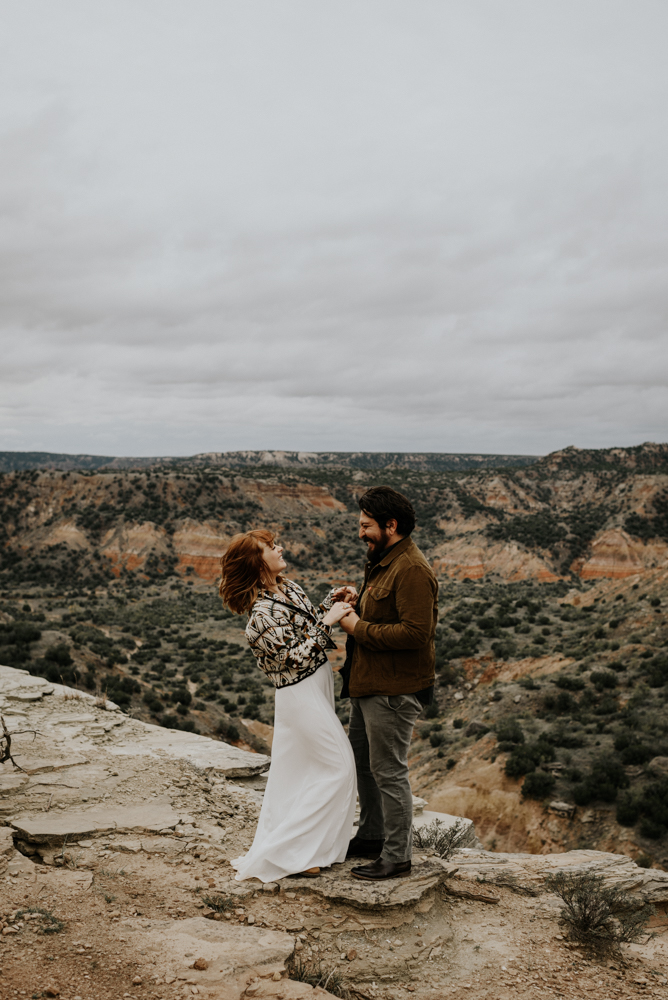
(394, 638)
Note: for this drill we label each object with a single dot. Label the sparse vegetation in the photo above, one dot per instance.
(46, 922)
(315, 975)
(596, 916)
(443, 840)
(221, 904)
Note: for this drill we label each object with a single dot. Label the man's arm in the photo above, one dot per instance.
(415, 606)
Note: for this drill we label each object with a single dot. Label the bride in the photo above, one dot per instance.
(309, 804)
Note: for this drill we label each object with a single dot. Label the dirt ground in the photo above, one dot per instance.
(116, 907)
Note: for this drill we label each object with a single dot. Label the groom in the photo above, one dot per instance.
(391, 678)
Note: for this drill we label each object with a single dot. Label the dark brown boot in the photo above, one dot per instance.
(381, 869)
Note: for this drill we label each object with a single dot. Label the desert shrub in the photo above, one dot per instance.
(443, 840)
(560, 736)
(525, 758)
(602, 679)
(597, 916)
(509, 734)
(606, 776)
(458, 723)
(503, 649)
(59, 655)
(528, 683)
(227, 731)
(658, 671)
(628, 810)
(436, 738)
(520, 761)
(653, 808)
(565, 704)
(651, 829)
(568, 683)
(636, 753)
(432, 710)
(617, 666)
(606, 706)
(631, 749)
(21, 633)
(538, 785)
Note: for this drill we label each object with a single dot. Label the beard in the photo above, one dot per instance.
(376, 550)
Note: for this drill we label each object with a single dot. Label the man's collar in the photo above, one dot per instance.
(394, 551)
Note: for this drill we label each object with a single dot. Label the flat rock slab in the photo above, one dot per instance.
(337, 885)
(48, 828)
(10, 782)
(74, 722)
(209, 755)
(20, 685)
(531, 870)
(227, 949)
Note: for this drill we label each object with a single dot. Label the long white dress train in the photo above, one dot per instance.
(309, 803)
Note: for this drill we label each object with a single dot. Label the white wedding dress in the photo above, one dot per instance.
(309, 803)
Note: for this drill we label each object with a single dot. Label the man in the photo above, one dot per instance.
(391, 664)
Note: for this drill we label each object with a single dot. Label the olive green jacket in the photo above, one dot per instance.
(394, 638)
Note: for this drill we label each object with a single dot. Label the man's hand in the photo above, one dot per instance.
(349, 622)
(348, 594)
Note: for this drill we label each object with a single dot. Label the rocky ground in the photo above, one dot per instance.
(115, 882)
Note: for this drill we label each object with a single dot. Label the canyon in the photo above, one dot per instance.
(551, 573)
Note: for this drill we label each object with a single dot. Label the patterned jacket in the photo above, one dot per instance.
(287, 636)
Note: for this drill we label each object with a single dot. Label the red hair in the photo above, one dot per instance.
(242, 567)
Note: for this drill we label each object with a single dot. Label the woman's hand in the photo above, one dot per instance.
(349, 622)
(336, 613)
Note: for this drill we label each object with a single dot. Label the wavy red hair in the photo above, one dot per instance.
(242, 568)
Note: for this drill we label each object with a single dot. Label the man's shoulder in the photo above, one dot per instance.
(409, 562)
(413, 556)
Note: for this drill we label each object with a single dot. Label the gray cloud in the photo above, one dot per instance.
(426, 226)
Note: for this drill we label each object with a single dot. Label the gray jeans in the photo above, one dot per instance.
(380, 733)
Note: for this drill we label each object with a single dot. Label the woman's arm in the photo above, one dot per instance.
(347, 594)
(284, 645)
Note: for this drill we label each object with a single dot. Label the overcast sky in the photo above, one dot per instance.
(421, 225)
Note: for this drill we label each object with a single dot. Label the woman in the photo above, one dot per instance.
(309, 803)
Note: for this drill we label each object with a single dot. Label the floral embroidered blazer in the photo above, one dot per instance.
(287, 635)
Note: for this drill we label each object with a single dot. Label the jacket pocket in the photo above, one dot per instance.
(379, 605)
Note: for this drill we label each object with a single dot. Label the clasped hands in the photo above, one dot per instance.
(346, 616)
